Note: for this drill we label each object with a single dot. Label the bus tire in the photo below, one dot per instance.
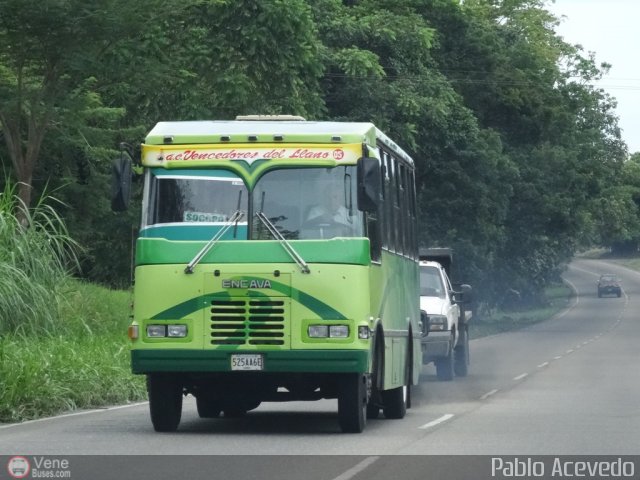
(395, 402)
(352, 403)
(165, 401)
(207, 408)
(461, 354)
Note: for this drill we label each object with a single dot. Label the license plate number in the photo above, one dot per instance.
(247, 362)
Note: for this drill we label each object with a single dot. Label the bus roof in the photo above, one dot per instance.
(269, 131)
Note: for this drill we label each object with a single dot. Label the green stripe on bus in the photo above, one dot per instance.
(324, 311)
(160, 251)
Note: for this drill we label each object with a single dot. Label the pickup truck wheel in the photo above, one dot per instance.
(165, 401)
(352, 403)
(461, 354)
(444, 367)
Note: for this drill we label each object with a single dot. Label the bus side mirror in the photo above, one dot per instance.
(121, 176)
(369, 184)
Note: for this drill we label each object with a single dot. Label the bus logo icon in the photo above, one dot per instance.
(18, 467)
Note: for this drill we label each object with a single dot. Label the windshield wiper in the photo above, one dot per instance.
(283, 241)
(237, 215)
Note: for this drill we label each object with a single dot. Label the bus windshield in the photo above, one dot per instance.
(301, 203)
(195, 198)
(309, 203)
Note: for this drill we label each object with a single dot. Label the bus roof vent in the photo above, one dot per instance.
(271, 118)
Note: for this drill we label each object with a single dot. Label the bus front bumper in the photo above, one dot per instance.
(294, 361)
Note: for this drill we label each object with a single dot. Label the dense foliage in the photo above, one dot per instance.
(519, 157)
(35, 263)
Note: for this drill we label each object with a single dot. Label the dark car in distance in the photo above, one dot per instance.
(608, 284)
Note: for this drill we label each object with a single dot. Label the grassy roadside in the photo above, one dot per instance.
(82, 363)
(86, 363)
(558, 297)
(557, 300)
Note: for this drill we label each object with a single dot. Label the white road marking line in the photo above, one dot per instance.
(488, 394)
(558, 357)
(521, 376)
(542, 365)
(355, 470)
(73, 414)
(569, 351)
(437, 421)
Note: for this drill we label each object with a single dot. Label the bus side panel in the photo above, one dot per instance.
(395, 299)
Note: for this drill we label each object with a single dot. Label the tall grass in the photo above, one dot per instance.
(63, 342)
(36, 256)
(86, 366)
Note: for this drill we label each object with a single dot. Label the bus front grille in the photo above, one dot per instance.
(248, 322)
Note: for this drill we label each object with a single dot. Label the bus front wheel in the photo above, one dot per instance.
(165, 401)
(352, 403)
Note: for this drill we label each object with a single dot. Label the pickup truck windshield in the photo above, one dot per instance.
(431, 282)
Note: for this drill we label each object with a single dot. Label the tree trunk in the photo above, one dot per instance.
(23, 160)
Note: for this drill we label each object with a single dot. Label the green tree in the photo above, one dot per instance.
(49, 54)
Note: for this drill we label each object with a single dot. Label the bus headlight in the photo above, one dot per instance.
(318, 331)
(156, 331)
(179, 331)
(339, 331)
(328, 331)
(163, 331)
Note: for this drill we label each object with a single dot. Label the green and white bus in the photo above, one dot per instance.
(277, 260)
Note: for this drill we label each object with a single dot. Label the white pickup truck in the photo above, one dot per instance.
(445, 315)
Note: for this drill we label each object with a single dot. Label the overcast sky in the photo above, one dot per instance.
(610, 29)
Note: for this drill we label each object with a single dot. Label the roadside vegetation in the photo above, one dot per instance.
(493, 321)
(62, 341)
(519, 156)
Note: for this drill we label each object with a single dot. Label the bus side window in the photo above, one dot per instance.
(387, 210)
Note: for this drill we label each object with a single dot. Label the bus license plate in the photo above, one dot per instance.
(247, 362)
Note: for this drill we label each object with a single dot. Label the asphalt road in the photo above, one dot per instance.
(566, 386)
